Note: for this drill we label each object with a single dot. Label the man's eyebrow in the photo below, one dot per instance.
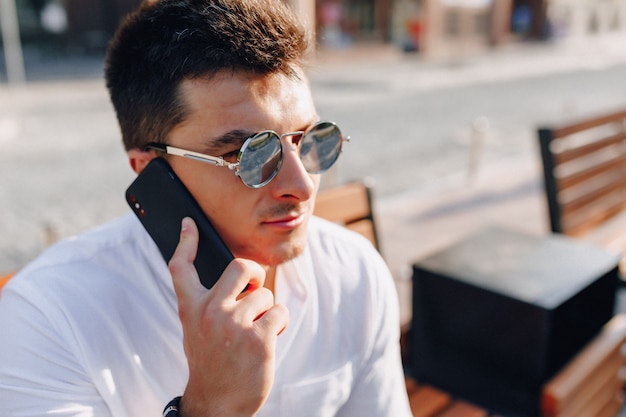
(230, 138)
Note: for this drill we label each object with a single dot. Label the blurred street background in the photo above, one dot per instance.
(442, 100)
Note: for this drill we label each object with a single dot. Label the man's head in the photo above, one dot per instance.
(167, 41)
(204, 76)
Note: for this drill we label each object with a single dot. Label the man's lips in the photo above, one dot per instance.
(289, 221)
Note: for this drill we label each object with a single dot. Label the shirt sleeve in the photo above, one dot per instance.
(40, 373)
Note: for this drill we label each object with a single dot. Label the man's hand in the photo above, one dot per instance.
(229, 337)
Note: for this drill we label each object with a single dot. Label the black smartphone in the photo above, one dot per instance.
(161, 201)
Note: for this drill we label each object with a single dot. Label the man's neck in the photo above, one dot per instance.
(270, 278)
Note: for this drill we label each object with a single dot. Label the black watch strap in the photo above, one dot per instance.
(171, 409)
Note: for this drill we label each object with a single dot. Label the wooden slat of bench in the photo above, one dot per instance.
(588, 123)
(585, 218)
(600, 389)
(604, 396)
(463, 409)
(606, 167)
(427, 401)
(345, 203)
(583, 223)
(613, 408)
(364, 227)
(587, 149)
(593, 195)
(349, 205)
(572, 381)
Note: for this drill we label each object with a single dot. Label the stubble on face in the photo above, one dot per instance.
(290, 247)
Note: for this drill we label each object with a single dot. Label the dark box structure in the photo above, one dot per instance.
(498, 313)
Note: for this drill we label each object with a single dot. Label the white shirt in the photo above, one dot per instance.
(91, 328)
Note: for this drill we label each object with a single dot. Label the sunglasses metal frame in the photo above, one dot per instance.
(235, 166)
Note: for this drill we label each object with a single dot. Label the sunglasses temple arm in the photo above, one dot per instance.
(213, 160)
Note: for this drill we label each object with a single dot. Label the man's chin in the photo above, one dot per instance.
(273, 255)
(281, 255)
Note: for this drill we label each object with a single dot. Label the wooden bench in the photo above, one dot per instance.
(592, 383)
(428, 401)
(584, 167)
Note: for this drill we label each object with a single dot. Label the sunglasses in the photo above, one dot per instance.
(261, 155)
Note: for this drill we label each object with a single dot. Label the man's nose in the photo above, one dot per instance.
(292, 179)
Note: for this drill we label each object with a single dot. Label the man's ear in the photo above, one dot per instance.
(139, 158)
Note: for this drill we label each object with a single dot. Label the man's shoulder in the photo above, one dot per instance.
(86, 256)
(110, 236)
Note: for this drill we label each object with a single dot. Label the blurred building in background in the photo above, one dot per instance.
(57, 28)
(69, 26)
(448, 27)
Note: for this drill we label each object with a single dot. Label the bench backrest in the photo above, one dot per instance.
(350, 205)
(584, 166)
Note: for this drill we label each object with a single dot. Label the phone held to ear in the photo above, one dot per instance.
(160, 200)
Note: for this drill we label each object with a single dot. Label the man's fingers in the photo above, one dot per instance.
(274, 320)
(239, 275)
(184, 274)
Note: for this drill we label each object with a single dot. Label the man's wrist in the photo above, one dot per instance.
(171, 409)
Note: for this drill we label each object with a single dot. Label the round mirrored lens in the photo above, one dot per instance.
(260, 159)
(320, 147)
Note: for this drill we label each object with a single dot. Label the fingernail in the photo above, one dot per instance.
(185, 225)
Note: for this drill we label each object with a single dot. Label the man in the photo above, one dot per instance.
(304, 322)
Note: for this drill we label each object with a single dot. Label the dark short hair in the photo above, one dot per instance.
(165, 42)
